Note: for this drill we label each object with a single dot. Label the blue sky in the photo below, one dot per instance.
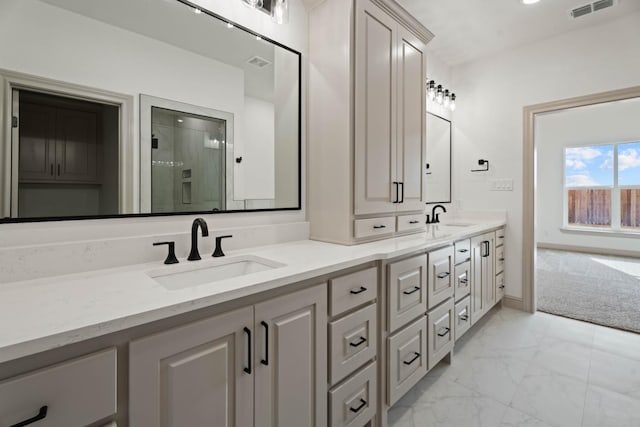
(593, 165)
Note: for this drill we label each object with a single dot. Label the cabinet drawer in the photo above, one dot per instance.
(500, 286)
(462, 278)
(352, 290)
(407, 359)
(440, 332)
(407, 290)
(411, 223)
(462, 321)
(499, 259)
(374, 227)
(500, 237)
(440, 281)
(76, 393)
(463, 251)
(354, 402)
(353, 342)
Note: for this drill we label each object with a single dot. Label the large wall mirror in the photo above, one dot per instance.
(438, 180)
(143, 107)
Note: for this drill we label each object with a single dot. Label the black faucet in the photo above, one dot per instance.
(435, 217)
(194, 255)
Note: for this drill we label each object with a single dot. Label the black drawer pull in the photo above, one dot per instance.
(375, 227)
(358, 291)
(463, 250)
(500, 259)
(414, 290)
(362, 404)
(464, 281)
(446, 331)
(464, 317)
(500, 237)
(413, 222)
(501, 287)
(415, 357)
(265, 361)
(247, 369)
(359, 343)
(42, 414)
(443, 275)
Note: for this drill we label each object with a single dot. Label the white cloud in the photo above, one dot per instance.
(629, 158)
(583, 153)
(576, 164)
(581, 180)
(608, 162)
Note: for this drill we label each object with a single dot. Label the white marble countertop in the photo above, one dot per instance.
(42, 314)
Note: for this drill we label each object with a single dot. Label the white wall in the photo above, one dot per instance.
(100, 70)
(493, 92)
(595, 124)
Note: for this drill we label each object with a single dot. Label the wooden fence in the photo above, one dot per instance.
(590, 207)
(593, 207)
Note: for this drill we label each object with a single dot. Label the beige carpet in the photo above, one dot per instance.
(595, 288)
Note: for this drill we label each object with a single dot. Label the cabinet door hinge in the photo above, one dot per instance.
(14, 122)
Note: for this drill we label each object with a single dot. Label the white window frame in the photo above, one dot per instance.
(616, 224)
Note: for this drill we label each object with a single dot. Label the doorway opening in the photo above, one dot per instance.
(65, 156)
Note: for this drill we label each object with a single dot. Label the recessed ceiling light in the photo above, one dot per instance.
(529, 1)
(180, 120)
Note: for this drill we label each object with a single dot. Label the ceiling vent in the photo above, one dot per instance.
(591, 8)
(602, 4)
(581, 11)
(258, 62)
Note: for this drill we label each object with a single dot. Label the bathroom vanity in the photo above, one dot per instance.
(329, 334)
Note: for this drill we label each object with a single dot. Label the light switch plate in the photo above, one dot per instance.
(501, 184)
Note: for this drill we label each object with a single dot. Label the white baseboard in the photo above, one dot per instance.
(589, 250)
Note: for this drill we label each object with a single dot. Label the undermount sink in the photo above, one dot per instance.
(186, 275)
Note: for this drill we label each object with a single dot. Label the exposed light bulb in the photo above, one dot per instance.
(229, 25)
(197, 11)
(431, 89)
(280, 12)
(439, 95)
(446, 98)
(452, 104)
(258, 38)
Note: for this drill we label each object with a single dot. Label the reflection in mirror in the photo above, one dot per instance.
(438, 159)
(99, 57)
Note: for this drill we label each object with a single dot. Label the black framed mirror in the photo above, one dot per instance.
(438, 170)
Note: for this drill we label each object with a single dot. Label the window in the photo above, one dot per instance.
(602, 186)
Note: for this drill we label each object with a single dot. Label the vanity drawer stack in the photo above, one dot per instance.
(57, 396)
(372, 227)
(420, 305)
(500, 284)
(462, 287)
(353, 347)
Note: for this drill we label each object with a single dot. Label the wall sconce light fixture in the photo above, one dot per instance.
(254, 4)
(441, 95)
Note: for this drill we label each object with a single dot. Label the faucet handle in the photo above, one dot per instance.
(428, 219)
(218, 251)
(171, 256)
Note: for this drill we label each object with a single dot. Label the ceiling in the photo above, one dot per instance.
(469, 29)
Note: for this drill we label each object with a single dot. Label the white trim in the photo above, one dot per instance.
(607, 231)
(589, 250)
(127, 151)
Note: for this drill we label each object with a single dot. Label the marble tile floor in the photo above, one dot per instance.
(515, 369)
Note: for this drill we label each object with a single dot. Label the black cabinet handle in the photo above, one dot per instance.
(501, 287)
(500, 237)
(415, 357)
(443, 275)
(247, 331)
(486, 245)
(362, 404)
(265, 361)
(51, 169)
(42, 414)
(413, 222)
(358, 291)
(359, 343)
(463, 250)
(397, 192)
(463, 281)
(375, 227)
(414, 290)
(446, 331)
(401, 192)
(500, 259)
(464, 317)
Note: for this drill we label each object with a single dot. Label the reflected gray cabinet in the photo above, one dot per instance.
(268, 360)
